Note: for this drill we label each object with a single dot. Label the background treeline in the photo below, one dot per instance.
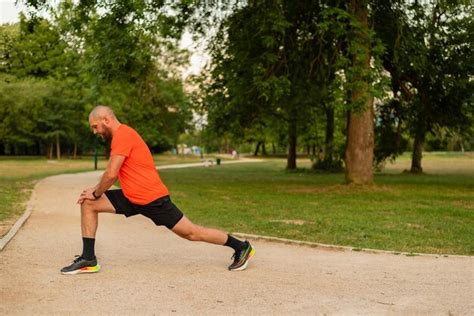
(54, 70)
(350, 83)
(316, 75)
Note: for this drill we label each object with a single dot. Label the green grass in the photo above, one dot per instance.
(427, 213)
(18, 176)
(431, 213)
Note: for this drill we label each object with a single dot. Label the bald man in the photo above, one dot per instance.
(142, 192)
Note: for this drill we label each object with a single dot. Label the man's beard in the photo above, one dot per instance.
(106, 135)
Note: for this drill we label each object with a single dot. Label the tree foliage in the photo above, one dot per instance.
(295, 75)
(429, 57)
(288, 66)
(124, 54)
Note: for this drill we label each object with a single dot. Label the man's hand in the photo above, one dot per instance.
(86, 195)
(108, 178)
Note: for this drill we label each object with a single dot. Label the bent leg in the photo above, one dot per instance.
(89, 214)
(186, 229)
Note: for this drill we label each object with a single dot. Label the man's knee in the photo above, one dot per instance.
(88, 206)
(193, 234)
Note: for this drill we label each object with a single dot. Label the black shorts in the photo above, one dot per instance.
(161, 211)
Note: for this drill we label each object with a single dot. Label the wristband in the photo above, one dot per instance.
(95, 196)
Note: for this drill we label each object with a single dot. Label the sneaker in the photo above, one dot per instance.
(242, 257)
(81, 265)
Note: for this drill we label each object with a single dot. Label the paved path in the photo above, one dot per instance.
(147, 270)
(209, 163)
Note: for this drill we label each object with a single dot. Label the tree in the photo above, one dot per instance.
(429, 58)
(272, 60)
(244, 90)
(38, 51)
(133, 69)
(9, 34)
(125, 55)
(360, 130)
(18, 99)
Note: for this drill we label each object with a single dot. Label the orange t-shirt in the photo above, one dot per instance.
(138, 176)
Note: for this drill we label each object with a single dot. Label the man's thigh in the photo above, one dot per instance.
(120, 203)
(162, 212)
(101, 205)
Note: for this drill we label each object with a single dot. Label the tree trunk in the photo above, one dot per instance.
(257, 149)
(50, 151)
(417, 153)
(418, 145)
(420, 132)
(74, 152)
(37, 148)
(360, 148)
(58, 147)
(291, 162)
(227, 145)
(264, 151)
(329, 134)
(360, 134)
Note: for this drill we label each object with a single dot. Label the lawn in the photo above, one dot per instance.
(431, 213)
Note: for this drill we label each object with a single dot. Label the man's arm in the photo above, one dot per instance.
(110, 175)
(108, 179)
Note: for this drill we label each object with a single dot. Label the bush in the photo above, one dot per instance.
(329, 165)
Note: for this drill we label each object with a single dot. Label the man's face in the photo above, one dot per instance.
(99, 127)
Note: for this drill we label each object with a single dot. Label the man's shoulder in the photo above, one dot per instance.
(125, 130)
(124, 134)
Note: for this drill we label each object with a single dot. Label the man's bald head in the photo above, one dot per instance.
(102, 111)
(103, 121)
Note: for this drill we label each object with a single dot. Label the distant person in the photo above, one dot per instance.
(234, 154)
(142, 192)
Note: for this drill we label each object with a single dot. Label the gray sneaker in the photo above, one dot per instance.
(81, 265)
(242, 257)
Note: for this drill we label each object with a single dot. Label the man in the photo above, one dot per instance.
(142, 192)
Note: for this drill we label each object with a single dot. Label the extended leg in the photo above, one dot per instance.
(243, 250)
(186, 229)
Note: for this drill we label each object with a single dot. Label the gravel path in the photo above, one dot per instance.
(147, 270)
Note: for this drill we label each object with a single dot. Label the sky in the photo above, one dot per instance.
(9, 11)
(9, 14)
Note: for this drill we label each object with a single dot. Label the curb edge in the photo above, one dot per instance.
(19, 223)
(343, 248)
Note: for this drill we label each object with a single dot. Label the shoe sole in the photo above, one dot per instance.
(93, 269)
(244, 266)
